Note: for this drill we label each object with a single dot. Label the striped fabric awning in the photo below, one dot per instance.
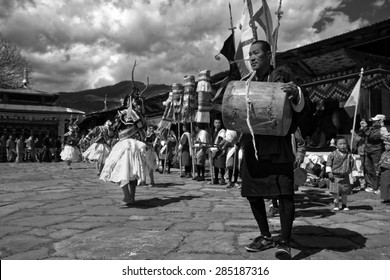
(341, 89)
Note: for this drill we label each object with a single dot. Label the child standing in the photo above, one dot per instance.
(339, 167)
(384, 165)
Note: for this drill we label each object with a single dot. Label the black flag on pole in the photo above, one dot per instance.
(228, 48)
(229, 52)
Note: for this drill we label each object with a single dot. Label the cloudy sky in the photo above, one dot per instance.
(83, 44)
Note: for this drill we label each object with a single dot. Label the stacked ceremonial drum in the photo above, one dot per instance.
(177, 96)
(190, 102)
(270, 109)
(204, 97)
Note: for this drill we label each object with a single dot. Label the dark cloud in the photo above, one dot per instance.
(8, 6)
(76, 45)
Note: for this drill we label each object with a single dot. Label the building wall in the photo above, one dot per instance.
(38, 124)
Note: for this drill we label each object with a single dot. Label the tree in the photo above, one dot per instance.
(12, 64)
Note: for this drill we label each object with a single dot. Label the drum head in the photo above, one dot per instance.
(300, 176)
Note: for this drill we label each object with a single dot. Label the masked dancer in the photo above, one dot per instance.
(100, 149)
(126, 163)
(71, 151)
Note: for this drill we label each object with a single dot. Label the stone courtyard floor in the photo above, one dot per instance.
(50, 212)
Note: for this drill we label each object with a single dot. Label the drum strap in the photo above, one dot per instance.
(248, 111)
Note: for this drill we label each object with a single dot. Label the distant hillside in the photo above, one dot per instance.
(92, 100)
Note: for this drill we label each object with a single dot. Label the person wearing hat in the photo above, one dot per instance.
(373, 149)
(384, 165)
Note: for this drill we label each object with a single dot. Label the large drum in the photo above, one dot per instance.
(270, 110)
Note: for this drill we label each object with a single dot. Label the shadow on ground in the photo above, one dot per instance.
(311, 240)
(166, 185)
(158, 202)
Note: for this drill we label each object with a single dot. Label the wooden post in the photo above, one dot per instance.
(166, 150)
(211, 159)
(193, 152)
(177, 145)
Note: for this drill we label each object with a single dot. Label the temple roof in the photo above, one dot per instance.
(28, 91)
(39, 109)
(366, 47)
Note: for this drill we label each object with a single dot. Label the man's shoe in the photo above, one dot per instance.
(230, 185)
(378, 192)
(260, 243)
(369, 189)
(222, 181)
(283, 251)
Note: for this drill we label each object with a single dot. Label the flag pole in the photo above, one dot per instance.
(356, 108)
(278, 14)
(232, 27)
(178, 152)
(250, 10)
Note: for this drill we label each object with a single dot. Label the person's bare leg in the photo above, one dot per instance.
(126, 194)
(99, 167)
(151, 176)
(133, 185)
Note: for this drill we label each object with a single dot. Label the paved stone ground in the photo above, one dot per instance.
(49, 212)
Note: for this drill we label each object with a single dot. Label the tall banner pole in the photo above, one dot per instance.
(232, 27)
(211, 158)
(166, 150)
(178, 151)
(250, 10)
(193, 152)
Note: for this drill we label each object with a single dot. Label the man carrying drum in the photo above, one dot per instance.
(270, 173)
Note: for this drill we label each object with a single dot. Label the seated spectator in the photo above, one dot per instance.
(318, 139)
